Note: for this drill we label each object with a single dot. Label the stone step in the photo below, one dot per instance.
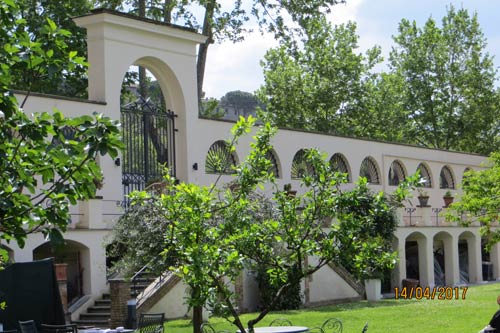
(99, 309)
(95, 316)
(102, 302)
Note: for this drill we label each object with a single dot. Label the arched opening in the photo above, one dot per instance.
(220, 159)
(339, 163)
(397, 173)
(300, 166)
(425, 175)
(77, 257)
(414, 255)
(148, 128)
(446, 179)
(443, 247)
(369, 170)
(274, 168)
(467, 258)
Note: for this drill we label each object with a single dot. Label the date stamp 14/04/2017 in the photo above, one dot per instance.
(439, 293)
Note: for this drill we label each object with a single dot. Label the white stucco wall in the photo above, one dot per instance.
(173, 304)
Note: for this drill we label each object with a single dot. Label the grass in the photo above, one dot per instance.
(426, 316)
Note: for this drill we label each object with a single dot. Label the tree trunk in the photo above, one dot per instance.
(197, 319)
(203, 49)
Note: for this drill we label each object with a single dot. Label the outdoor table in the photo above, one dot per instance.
(280, 329)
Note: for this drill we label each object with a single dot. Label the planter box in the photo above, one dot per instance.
(373, 289)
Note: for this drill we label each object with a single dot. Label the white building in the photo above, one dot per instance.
(117, 41)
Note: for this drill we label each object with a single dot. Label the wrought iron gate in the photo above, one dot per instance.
(149, 138)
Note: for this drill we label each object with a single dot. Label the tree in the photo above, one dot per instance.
(321, 85)
(244, 103)
(47, 161)
(213, 234)
(449, 83)
(221, 22)
(33, 16)
(480, 200)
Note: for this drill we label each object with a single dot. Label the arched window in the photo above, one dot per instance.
(274, 168)
(220, 159)
(446, 178)
(397, 173)
(300, 166)
(339, 163)
(369, 170)
(425, 174)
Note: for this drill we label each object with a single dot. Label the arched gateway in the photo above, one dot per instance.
(115, 42)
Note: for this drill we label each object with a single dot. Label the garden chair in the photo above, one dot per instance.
(280, 322)
(208, 328)
(59, 328)
(365, 328)
(151, 323)
(332, 325)
(28, 326)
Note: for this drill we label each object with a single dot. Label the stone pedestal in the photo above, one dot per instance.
(120, 294)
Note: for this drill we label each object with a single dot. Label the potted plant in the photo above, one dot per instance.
(448, 199)
(423, 198)
(288, 189)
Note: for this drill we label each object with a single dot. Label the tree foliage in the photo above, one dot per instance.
(48, 161)
(321, 85)
(33, 15)
(449, 83)
(480, 200)
(439, 90)
(214, 233)
(244, 103)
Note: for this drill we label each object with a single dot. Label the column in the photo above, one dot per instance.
(452, 271)
(475, 259)
(426, 261)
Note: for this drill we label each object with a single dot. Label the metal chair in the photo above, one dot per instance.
(332, 325)
(59, 328)
(365, 328)
(28, 326)
(280, 322)
(151, 323)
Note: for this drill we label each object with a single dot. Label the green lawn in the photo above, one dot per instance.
(427, 316)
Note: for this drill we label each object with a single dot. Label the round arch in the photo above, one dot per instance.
(397, 173)
(275, 167)
(220, 159)
(300, 166)
(339, 163)
(425, 174)
(446, 178)
(370, 170)
(77, 257)
(414, 247)
(168, 81)
(443, 259)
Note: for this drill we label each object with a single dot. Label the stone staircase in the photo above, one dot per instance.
(97, 315)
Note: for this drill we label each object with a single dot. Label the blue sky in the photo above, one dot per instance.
(236, 66)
